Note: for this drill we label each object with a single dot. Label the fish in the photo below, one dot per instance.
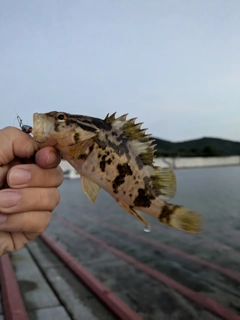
(117, 155)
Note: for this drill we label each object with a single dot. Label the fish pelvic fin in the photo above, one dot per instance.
(181, 218)
(90, 188)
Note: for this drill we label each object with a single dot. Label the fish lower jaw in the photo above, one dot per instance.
(39, 137)
(44, 140)
(40, 141)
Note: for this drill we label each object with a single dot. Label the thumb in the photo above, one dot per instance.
(15, 143)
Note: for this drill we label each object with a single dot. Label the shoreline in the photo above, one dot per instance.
(172, 163)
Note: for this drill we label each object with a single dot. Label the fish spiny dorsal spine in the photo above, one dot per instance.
(111, 118)
(138, 138)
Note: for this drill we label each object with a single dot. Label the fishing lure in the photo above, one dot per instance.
(25, 128)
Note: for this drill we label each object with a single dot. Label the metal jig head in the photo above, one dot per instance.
(25, 128)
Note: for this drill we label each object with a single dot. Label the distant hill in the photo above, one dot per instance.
(204, 147)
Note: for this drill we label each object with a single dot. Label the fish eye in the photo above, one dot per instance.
(61, 117)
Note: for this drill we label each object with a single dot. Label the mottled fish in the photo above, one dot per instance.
(117, 155)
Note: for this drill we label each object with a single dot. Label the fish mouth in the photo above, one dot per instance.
(38, 127)
(42, 127)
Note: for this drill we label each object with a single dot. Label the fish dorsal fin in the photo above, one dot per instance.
(138, 139)
(144, 150)
(163, 182)
(90, 188)
(110, 118)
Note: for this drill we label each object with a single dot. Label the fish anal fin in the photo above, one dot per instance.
(90, 188)
(181, 218)
(134, 212)
(163, 182)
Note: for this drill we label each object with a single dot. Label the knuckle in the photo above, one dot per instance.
(9, 130)
(60, 175)
(45, 220)
(55, 176)
(56, 198)
(37, 221)
(5, 245)
(50, 177)
(49, 197)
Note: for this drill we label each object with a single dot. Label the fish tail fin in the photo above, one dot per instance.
(181, 218)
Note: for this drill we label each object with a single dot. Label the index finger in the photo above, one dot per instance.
(15, 143)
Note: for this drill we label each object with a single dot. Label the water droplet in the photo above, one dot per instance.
(147, 228)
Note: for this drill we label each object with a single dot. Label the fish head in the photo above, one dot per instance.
(61, 128)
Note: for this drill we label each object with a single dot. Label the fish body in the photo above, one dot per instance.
(117, 155)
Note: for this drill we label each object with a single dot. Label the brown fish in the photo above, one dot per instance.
(117, 155)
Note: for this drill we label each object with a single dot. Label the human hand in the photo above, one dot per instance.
(28, 188)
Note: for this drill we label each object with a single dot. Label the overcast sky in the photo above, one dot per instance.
(173, 64)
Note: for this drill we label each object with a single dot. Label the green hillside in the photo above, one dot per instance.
(204, 147)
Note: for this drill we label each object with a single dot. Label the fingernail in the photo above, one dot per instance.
(19, 176)
(9, 198)
(3, 218)
(51, 159)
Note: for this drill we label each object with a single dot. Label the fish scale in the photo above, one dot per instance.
(117, 155)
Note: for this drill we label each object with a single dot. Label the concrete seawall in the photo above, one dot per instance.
(173, 163)
(198, 162)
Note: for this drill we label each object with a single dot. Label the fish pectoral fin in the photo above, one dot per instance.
(135, 213)
(90, 188)
(181, 218)
(81, 149)
(164, 182)
(67, 158)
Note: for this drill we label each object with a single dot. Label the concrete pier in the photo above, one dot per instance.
(198, 162)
